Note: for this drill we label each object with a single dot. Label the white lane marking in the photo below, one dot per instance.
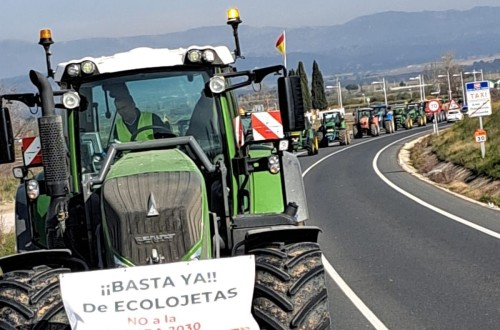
(423, 203)
(367, 313)
(350, 294)
(333, 153)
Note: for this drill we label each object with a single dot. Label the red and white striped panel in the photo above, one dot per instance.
(32, 151)
(267, 126)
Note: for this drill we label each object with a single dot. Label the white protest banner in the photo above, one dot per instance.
(197, 295)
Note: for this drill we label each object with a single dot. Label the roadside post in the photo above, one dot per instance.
(479, 105)
(434, 106)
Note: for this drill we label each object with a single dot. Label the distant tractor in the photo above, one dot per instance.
(385, 117)
(401, 117)
(366, 122)
(306, 139)
(440, 114)
(333, 128)
(417, 114)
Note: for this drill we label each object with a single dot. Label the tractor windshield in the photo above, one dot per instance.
(146, 106)
(332, 117)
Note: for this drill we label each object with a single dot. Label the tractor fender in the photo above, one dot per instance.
(256, 238)
(295, 191)
(28, 260)
(23, 223)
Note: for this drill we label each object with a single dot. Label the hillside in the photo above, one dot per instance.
(370, 43)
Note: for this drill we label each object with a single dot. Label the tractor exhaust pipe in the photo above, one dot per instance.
(55, 167)
(52, 139)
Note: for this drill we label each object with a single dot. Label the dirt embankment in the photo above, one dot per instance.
(418, 158)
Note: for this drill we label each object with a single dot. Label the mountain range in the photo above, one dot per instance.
(367, 44)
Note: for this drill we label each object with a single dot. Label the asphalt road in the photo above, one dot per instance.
(404, 265)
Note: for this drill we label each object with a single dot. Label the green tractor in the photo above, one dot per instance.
(333, 128)
(307, 139)
(402, 119)
(400, 116)
(416, 112)
(164, 195)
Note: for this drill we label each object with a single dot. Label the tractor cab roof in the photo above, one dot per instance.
(361, 112)
(143, 58)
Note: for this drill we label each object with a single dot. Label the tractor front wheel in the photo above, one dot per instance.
(31, 299)
(290, 290)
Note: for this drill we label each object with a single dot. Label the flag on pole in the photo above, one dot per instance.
(280, 43)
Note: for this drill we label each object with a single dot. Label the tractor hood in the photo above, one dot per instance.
(155, 209)
(150, 161)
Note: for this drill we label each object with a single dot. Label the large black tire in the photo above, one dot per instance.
(323, 141)
(31, 299)
(310, 147)
(290, 290)
(356, 133)
(388, 127)
(373, 130)
(343, 136)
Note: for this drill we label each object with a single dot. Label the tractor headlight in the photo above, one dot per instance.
(71, 100)
(194, 56)
(32, 189)
(217, 84)
(274, 164)
(88, 67)
(209, 55)
(73, 70)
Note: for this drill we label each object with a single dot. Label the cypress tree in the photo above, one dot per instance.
(318, 89)
(306, 95)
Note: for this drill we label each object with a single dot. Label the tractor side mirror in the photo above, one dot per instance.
(7, 152)
(291, 103)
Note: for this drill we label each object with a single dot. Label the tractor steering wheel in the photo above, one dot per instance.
(164, 132)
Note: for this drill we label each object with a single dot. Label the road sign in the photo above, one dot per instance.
(453, 105)
(478, 98)
(480, 135)
(434, 105)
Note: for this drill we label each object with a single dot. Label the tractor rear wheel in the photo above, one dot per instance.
(343, 137)
(290, 290)
(355, 132)
(388, 127)
(31, 299)
(310, 147)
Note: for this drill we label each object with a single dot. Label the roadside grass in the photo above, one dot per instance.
(453, 158)
(8, 187)
(7, 239)
(457, 145)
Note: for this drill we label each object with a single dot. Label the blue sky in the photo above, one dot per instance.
(72, 20)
